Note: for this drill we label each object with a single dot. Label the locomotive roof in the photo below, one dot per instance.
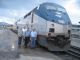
(45, 4)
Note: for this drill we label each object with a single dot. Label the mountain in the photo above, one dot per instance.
(4, 24)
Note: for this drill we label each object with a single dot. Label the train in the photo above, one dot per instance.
(52, 23)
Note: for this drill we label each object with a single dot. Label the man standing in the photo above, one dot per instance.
(27, 37)
(23, 34)
(19, 37)
(33, 38)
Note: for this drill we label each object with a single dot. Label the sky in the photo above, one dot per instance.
(12, 10)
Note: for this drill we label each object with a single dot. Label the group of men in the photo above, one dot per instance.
(28, 36)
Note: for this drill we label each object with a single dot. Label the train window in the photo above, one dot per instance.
(51, 7)
(51, 30)
(61, 9)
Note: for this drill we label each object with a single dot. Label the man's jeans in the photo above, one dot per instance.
(19, 40)
(33, 42)
(27, 39)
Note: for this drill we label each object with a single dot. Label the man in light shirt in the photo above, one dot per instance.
(33, 35)
(23, 32)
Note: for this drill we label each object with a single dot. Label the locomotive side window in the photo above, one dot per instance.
(51, 30)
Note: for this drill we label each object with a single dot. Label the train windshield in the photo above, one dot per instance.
(57, 14)
(54, 13)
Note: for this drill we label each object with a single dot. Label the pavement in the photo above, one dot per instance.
(10, 51)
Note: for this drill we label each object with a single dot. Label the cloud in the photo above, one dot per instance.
(11, 15)
(78, 3)
(18, 13)
(73, 11)
(14, 10)
(6, 19)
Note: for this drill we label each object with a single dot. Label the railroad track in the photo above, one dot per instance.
(74, 51)
(72, 54)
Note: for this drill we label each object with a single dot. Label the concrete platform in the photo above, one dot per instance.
(10, 51)
(33, 58)
(36, 54)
